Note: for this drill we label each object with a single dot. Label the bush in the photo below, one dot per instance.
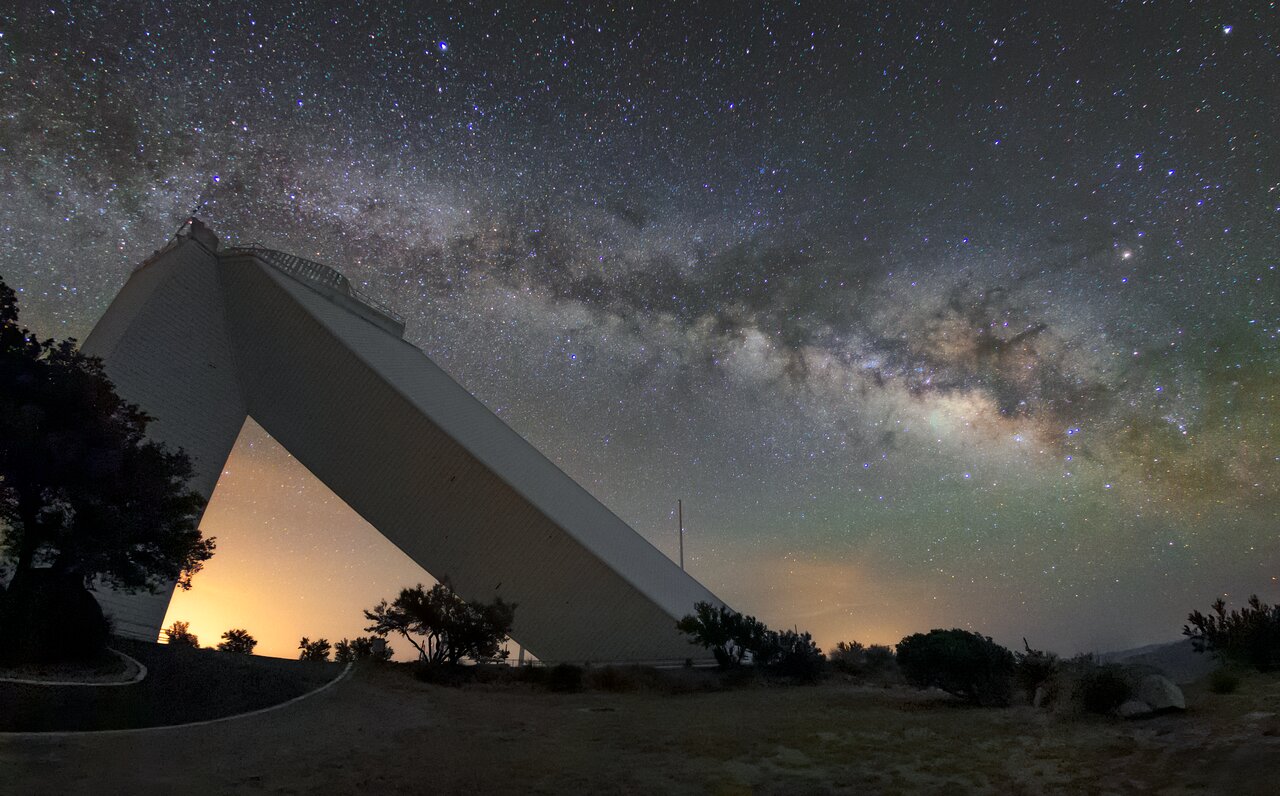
(733, 637)
(362, 648)
(564, 678)
(179, 635)
(1035, 669)
(849, 657)
(237, 641)
(1250, 635)
(797, 656)
(961, 663)
(1099, 688)
(1224, 681)
(728, 634)
(854, 659)
(317, 650)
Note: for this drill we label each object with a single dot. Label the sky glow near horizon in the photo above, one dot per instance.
(933, 317)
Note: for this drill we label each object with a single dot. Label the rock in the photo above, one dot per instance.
(1160, 693)
(1134, 709)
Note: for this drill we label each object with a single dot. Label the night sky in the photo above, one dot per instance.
(933, 317)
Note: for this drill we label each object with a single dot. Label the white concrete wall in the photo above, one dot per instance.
(206, 339)
(164, 343)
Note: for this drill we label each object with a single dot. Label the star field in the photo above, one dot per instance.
(932, 316)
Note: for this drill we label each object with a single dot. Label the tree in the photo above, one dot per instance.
(361, 648)
(961, 663)
(793, 654)
(237, 640)
(728, 634)
(178, 635)
(1249, 635)
(732, 637)
(442, 627)
(317, 650)
(84, 494)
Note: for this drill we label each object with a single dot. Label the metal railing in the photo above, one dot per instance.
(319, 273)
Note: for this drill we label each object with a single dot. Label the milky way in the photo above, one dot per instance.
(931, 316)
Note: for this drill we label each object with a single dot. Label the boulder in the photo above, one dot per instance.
(1160, 693)
(1134, 709)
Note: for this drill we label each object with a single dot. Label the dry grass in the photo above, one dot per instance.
(385, 732)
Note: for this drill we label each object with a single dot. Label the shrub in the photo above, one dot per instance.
(317, 650)
(961, 663)
(797, 656)
(1099, 687)
(1249, 635)
(733, 637)
(1035, 669)
(362, 648)
(849, 657)
(854, 659)
(565, 678)
(728, 634)
(1224, 681)
(237, 641)
(179, 635)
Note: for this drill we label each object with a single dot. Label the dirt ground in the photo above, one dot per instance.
(382, 732)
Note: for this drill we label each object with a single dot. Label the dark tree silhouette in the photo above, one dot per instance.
(361, 648)
(83, 494)
(317, 650)
(1248, 635)
(178, 635)
(965, 664)
(442, 627)
(728, 634)
(237, 640)
(732, 636)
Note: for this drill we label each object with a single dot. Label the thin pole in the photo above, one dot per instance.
(680, 510)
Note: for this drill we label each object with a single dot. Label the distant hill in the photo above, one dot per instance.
(1176, 659)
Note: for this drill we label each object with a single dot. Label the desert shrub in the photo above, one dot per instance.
(967, 665)
(881, 658)
(237, 641)
(796, 656)
(1249, 635)
(1099, 687)
(564, 678)
(179, 635)
(728, 634)
(1035, 669)
(849, 657)
(317, 650)
(852, 658)
(734, 638)
(1224, 681)
(362, 648)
